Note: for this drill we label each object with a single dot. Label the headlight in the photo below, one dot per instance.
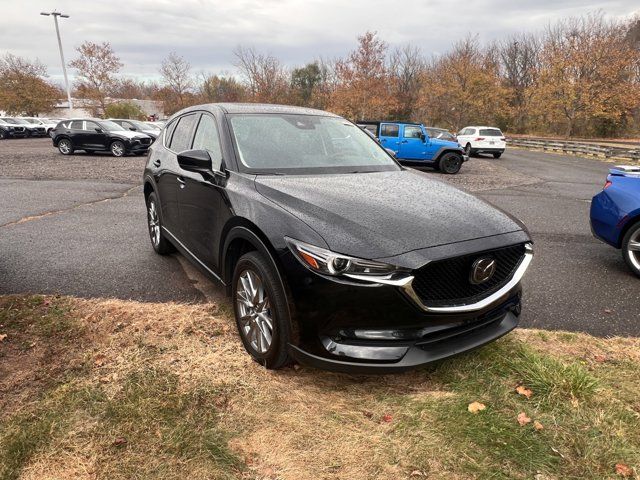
(326, 262)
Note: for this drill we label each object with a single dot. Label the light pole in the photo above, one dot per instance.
(64, 67)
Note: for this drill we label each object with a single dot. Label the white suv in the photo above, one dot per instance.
(482, 140)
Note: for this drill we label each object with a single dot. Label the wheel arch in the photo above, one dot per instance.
(633, 220)
(444, 150)
(242, 236)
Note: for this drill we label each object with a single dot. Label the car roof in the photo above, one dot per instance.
(262, 108)
(481, 126)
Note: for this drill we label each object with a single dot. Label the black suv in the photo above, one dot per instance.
(95, 135)
(333, 254)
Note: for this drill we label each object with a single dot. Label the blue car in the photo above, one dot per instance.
(412, 144)
(615, 214)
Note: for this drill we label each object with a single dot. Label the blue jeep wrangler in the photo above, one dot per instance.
(411, 144)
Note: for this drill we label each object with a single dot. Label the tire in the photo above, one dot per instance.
(497, 155)
(468, 151)
(65, 146)
(159, 242)
(3, 134)
(631, 248)
(450, 163)
(117, 149)
(254, 312)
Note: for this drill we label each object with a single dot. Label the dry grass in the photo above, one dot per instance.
(76, 376)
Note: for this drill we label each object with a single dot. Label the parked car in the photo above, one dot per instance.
(31, 129)
(482, 140)
(137, 126)
(441, 134)
(11, 130)
(333, 254)
(47, 124)
(96, 135)
(412, 144)
(615, 214)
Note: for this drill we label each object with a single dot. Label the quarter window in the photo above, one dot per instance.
(206, 138)
(181, 139)
(412, 131)
(389, 130)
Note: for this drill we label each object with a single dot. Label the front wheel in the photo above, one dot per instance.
(450, 163)
(65, 147)
(631, 248)
(261, 310)
(117, 148)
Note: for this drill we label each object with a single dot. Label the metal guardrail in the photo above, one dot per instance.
(577, 148)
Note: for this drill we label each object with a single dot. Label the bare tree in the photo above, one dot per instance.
(96, 66)
(176, 74)
(265, 77)
(406, 67)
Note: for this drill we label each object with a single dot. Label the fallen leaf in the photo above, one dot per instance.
(523, 419)
(46, 303)
(607, 311)
(417, 473)
(623, 470)
(537, 425)
(99, 360)
(522, 390)
(2, 336)
(600, 358)
(475, 407)
(120, 441)
(387, 418)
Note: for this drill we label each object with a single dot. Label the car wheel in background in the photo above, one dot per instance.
(497, 155)
(65, 147)
(450, 163)
(117, 148)
(631, 248)
(261, 310)
(3, 134)
(160, 244)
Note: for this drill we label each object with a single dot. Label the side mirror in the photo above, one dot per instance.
(195, 161)
(423, 137)
(98, 129)
(133, 129)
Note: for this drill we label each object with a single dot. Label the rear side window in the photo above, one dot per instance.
(206, 138)
(490, 132)
(76, 125)
(389, 130)
(181, 139)
(412, 131)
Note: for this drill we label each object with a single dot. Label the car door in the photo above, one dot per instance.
(412, 147)
(95, 138)
(164, 161)
(390, 136)
(201, 197)
(75, 131)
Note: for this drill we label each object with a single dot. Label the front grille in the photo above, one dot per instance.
(447, 282)
(19, 129)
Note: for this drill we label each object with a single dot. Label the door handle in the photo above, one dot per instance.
(181, 182)
(157, 163)
(405, 141)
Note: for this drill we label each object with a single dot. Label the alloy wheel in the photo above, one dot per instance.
(634, 249)
(154, 224)
(254, 311)
(117, 149)
(64, 146)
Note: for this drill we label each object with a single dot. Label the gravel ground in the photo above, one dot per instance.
(38, 159)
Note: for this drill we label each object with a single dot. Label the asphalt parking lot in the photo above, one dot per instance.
(76, 225)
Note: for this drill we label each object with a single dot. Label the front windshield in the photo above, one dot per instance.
(138, 124)
(269, 143)
(111, 126)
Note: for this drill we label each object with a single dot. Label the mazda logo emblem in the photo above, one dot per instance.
(482, 270)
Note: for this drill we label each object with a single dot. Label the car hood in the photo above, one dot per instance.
(126, 134)
(382, 214)
(445, 143)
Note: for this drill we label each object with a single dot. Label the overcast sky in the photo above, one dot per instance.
(143, 32)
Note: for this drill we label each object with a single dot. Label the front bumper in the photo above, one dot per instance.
(137, 147)
(383, 328)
